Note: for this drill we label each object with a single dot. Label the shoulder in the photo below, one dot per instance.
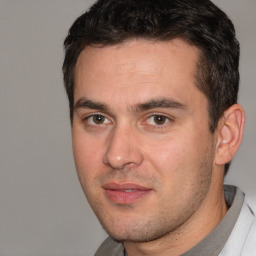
(110, 247)
(242, 241)
(250, 242)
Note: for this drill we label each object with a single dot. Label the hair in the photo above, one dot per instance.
(198, 22)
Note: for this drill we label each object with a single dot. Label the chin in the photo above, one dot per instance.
(139, 237)
(143, 231)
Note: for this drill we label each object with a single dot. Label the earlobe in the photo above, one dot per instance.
(230, 133)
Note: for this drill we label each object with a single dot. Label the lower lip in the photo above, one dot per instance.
(123, 197)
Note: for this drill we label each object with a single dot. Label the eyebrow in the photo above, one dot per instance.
(89, 104)
(159, 103)
(148, 105)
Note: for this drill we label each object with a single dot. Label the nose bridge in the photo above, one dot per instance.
(122, 149)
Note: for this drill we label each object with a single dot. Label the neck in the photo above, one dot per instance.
(190, 233)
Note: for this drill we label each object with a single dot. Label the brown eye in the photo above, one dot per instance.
(98, 119)
(159, 120)
(156, 120)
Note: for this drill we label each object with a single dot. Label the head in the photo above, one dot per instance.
(199, 23)
(148, 84)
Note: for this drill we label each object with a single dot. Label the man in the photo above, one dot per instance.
(152, 87)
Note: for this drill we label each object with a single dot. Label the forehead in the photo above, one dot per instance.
(137, 68)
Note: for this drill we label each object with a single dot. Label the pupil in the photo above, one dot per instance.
(160, 119)
(98, 119)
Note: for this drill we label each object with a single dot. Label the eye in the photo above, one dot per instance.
(157, 120)
(98, 119)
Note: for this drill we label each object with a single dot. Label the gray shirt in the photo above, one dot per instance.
(211, 244)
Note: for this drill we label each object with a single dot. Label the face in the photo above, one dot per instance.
(141, 140)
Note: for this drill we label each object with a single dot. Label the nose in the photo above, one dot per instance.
(123, 150)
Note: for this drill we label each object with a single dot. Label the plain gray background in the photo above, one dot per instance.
(43, 211)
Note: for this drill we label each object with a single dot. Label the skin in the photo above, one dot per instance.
(140, 119)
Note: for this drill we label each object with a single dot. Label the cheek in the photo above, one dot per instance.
(87, 156)
(177, 160)
(167, 155)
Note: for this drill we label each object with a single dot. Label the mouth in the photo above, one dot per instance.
(125, 194)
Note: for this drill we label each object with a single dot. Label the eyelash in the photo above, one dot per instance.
(155, 115)
(87, 118)
(158, 126)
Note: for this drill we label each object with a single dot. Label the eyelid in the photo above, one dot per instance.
(144, 122)
(93, 113)
(151, 115)
(89, 115)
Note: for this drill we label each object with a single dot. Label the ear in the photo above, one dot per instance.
(230, 133)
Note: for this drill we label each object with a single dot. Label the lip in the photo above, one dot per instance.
(126, 193)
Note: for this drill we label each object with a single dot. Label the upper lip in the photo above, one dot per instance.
(124, 186)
